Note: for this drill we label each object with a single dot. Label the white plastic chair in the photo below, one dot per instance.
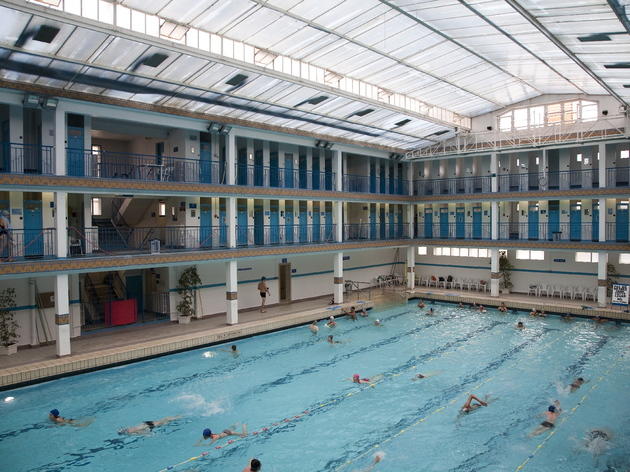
(577, 292)
(533, 290)
(556, 290)
(544, 290)
(473, 284)
(567, 292)
(424, 281)
(589, 293)
(433, 283)
(457, 283)
(483, 285)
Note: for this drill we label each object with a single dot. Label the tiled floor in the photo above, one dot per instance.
(136, 342)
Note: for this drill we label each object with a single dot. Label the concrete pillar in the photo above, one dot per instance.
(60, 142)
(338, 280)
(90, 235)
(602, 219)
(61, 224)
(338, 220)
(602, 167)
(602, 282)
(494, 172)
(62, 315)
(411, 267)
(230, 159)
(409, 176)
(410, 220)
(33, 339)
(494, 220)
(494, 273)
(266, 158)
(337, 170)
(231, 292)
(230, 215)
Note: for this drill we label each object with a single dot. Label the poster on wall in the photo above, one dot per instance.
(620, 294)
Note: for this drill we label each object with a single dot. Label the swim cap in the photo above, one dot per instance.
(355, 376)
(377, 320)
(552, 408)
(55, 412)
(332, 318)
(207, 433)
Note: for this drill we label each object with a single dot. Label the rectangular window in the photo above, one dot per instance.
(446, 251)
(589, 111)
(522, 254)
(484, 253)
(625, 154)
(463, 252)
(537, 255)
(455, 251)
(96, 206)
(536, 117)
(582, 257)
(162, 209)
(437, 251)
(422, 250)
(554, 114)
(473, 252)
(505, 122)
(570, 112)
(624, 258)
(520, 118)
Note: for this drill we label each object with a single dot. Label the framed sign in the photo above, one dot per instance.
(620, 294)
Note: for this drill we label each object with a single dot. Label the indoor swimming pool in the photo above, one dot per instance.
(294, 392)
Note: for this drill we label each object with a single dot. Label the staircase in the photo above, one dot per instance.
(95, 295)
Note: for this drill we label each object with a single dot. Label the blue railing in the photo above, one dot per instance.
(375, 232)
(378, 185)
(17, 158)
(279, 177)
(20, 244)
(272, 235)
(618, 177)
(453, 186)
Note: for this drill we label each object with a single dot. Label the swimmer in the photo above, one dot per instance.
(599, 320)
(421, 304)
(378, 457)
(577, 383)
(54, 416)
(331, 322)
(147, 426)
(597, 441)
(378, 322)
(332, 341)
(419, 376)
(520, 325)
(534, 312)
(481, 309)
(313, 327)
(254, 466)
(352, 314)
(363, 313)
(551, 415)
(461, 305)
(470, 406)
(356, 378)
(208, 434)
(430, 312)
(566, 317)
(542, 314)
(503, 308)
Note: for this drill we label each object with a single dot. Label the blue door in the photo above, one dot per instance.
(33, 237)
(5, 149)
(259, 168)
(477, 233)
(575, 230)
(303, 173)
(444, 223)
(329, 173)
(328, 216)
(288, 221)
(274, 222)
(288, 171)
(372, 178)
(315, 172)
(222, 223)
(241, 211)
(135, 291)
(372, 220)
(460, 222)
(428, 222)
(316, 222)
(241, 167)
(622, 222)
(399, 223)
(392, 222)
(259, 223)
(76, 165)
(383, 180)
(595, 221)
(205, 222)
(205, 160)
(554, 219)
(532, 221)
(383, 224)
(303, 222)
(274, 172)
(392, 181)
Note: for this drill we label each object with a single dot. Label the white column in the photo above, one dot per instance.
(230, 159)
(602, 219)
(231, 292)
(60, 142)
(494, 273)
(230, 216)
(411, 267)
(338, 220)
(409, 175)
(602, 279)
(338, 280)
(494, 172)
(337, 170)
(494, 220)
(602, 167)
(61, 224)
(410, 219)
(62, 315)
(90, 235)
(34, 341)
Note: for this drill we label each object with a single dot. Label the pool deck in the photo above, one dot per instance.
(123, 345)
(587, 309)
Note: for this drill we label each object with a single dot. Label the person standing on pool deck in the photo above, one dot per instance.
(551, 415)
(254, 466)
(147, 426)
(264, 291)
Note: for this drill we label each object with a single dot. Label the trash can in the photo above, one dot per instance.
(155, 246)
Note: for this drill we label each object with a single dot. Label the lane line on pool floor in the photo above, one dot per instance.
(570, 413)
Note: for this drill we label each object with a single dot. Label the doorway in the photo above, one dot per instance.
(284, 277)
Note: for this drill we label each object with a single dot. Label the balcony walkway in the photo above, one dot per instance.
(114, 346)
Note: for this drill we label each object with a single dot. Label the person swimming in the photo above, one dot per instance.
(363, 313)
(147, 427)
(421, 304)
(352, 314)
(208, 434)
(356, 378)
(520, 325)
(503, 308)
(331, 322)
(332, 341)
(577, 383)
(597, 441)
(313, 327)
(378, 322)
(551, 415)
(430, 312)
(55, 417)
(470, 406)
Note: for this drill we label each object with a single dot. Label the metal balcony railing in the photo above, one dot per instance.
(20, 244)
(375, 232)
(367, 184)
(453, 186)
(618, 177)
(279, 177)
(454, 231)
(272, 235)
(17, 158)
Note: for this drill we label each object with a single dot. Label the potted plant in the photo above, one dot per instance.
(611, 278)
(505, 269)
(8, 325)
(187, 285)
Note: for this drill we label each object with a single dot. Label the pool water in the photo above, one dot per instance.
(292, 389)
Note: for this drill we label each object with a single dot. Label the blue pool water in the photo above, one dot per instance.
(292, 390)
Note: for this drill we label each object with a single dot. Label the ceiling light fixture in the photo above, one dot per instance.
(50, 103)
(214, 127)
(31, 101)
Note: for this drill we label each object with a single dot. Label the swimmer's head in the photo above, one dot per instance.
(352, 308)
(356, 377)
(330, 338)
(580, 379)
(55, 413)
(207, 433)
(255, 465)
(551, 408)
(122, 431)
(233, 347)
(332, 318)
